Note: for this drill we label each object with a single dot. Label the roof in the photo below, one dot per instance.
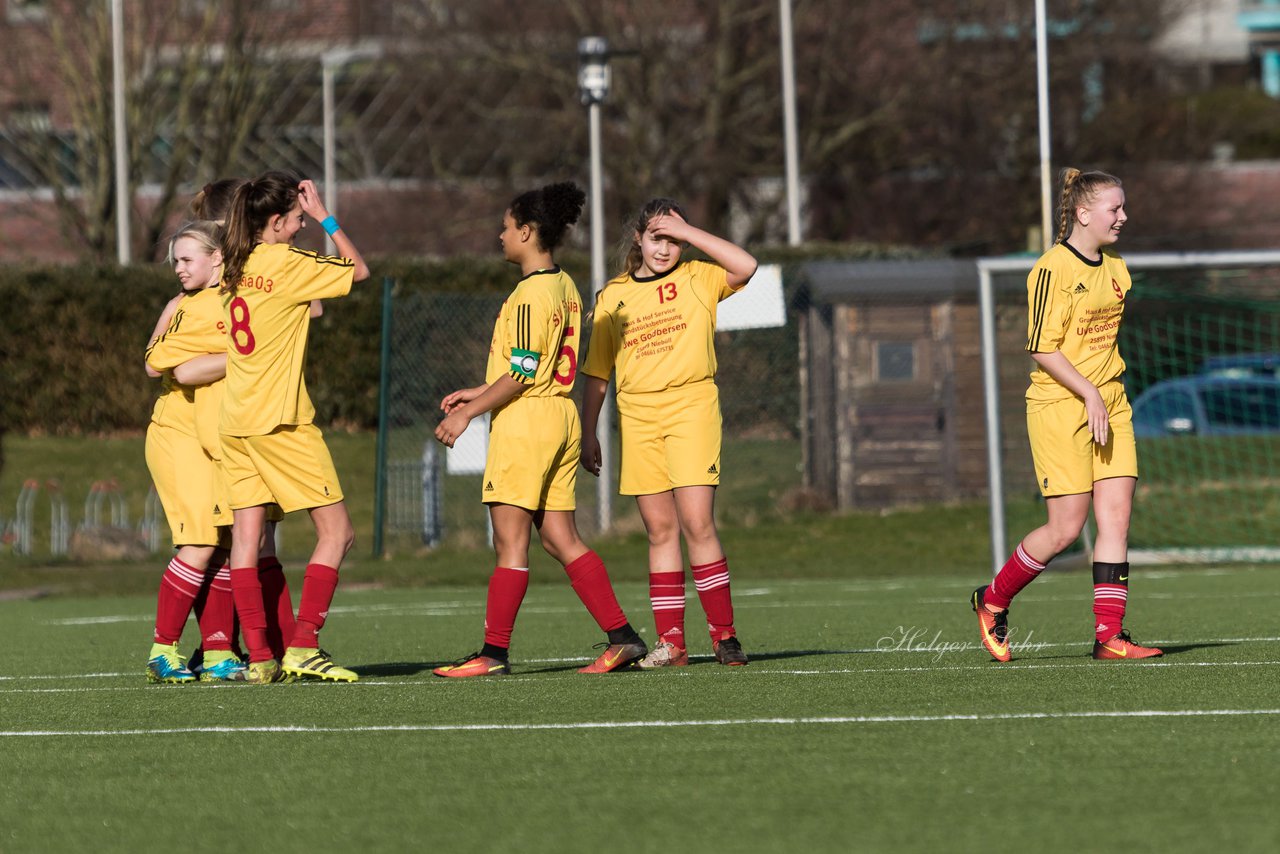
(849, 281)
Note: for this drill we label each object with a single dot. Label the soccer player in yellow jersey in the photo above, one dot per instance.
(272, 452)
(182, 453)
(655, 325)
(535, 437)
(211, 203)
(1078, 417)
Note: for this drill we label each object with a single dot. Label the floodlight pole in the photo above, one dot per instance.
(330, 62)
(124, 252)
(1042, 98)
(593, 88)
(790, 144)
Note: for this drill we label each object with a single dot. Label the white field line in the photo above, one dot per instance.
(660, 724)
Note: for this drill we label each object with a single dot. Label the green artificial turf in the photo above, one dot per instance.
(868, 720)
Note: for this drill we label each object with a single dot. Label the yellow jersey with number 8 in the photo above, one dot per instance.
(268, 319)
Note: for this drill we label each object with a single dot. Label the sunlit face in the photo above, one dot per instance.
(1104, 216)
(195, 265)
(514, 238)
(657, 254)
(283, 229)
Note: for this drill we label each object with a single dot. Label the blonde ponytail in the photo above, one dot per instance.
(1078, 189)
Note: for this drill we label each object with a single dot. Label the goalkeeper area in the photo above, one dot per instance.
(868, 720)
(1201, 343)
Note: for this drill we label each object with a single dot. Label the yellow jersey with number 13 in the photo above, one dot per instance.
(268, 319)
(658, 331)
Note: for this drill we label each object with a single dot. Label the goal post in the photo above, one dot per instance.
(1203, 321)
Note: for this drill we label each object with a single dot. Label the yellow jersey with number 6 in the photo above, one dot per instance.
(268, 319)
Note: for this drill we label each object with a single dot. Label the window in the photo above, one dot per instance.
(21, 11)
(895, 361)
(1252, 407)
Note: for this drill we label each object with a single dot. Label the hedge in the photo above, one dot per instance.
(72, 337)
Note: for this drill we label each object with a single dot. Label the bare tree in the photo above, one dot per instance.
(193, 93)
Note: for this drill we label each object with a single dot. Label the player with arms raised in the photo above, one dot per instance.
(1078, 417)
(272, 452)
(655, 324)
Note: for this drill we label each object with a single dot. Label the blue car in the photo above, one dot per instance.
(1225, 404)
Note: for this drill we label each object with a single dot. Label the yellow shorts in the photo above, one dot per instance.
(289, 466)
(191, 490)
(534, 445)
(670, 439)
(1066, 459)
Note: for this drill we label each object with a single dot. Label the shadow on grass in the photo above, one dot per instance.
(1187, 647)
(398, 668)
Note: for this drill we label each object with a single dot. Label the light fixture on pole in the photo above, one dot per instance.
(593, 88)
(330, 62)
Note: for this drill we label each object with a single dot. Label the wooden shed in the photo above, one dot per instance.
(891, 381)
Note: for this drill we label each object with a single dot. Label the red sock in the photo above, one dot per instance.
(590, 581)
(318, 585)
(507, 587)
(1110, 596)
(247, 590)
(277, 603)
(178, 588)
(712, 583)
(1020, 570)
(217, 617)
(666, 595)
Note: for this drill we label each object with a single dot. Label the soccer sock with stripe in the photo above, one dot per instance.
(666, 595)
(1110, 596)
(1020, 570)
(277, 603)
(318, 584)
(218, 615)
(507, 587)
(590, 581)
(178, 588)
(247, 590)
(712, 583)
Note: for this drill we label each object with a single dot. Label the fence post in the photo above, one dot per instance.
(380, 464)
(59, 526)
(432, 496)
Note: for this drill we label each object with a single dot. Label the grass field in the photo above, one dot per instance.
(867, 721)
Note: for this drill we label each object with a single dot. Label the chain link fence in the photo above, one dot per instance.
(439, 342)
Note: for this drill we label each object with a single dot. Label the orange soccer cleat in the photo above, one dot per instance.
(474, 665)
(992, 627)
(1120, 647)
(616, 656)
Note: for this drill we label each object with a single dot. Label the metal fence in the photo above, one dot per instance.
(439, 342)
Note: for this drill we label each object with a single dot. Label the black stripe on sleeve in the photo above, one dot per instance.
(1039, 307)
(323, 259)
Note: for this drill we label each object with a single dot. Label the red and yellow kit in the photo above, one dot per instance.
(657, 332)
(182, 446)
(536, 439)
(272, 452)
(1076, 306)
(267, 324)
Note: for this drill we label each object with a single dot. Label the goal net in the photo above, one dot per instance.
(1201, 341)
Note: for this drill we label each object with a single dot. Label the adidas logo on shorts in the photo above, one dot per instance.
(1080, 288)
(488, 487)
(712, 470)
